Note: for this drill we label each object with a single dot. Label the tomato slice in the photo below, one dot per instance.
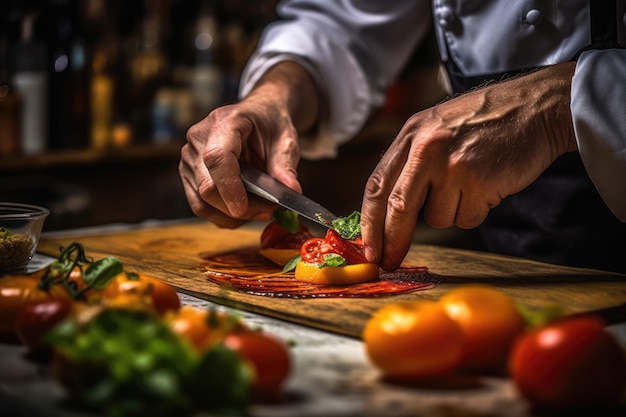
(351, 250)
(313, 250)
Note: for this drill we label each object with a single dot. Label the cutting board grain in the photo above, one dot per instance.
(173, 253)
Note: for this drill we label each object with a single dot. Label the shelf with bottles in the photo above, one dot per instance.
(152, 66)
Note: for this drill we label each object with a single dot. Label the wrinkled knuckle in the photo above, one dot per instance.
(375, 186)
(397, 205)
(194, 132)
(206, 188)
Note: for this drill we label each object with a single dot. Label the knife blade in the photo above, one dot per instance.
(265, 186)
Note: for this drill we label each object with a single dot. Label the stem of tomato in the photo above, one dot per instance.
(58, 272)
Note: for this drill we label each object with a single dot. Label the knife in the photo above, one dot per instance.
(263, 185)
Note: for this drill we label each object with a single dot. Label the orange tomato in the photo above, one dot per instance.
(163, 295)
(413, 340)
(202, 328)
(336, 275)
(18, 291)
(490, 322)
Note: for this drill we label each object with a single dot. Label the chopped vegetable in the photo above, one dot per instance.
(348, 227)
(128, 363)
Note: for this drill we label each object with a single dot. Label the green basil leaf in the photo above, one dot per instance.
(292, 263)
(333, 260)
(98, 274)
(287, 219)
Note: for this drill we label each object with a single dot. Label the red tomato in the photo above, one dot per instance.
(38, 318)
(163, 295)
(569, 364)
(351, 250)
(268, 355)
(16, 292)
(276, 237)
(313, 250)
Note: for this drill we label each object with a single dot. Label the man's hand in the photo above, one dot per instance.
(458, 160)
(263, 130)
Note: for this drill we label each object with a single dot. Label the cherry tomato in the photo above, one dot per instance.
(36, 319)
(163, 295)
(276, 237)
(413, 340)
(569, 364)
(490, 322)
(16, 292)
(313, 250)
(202, 328)
(268, 355)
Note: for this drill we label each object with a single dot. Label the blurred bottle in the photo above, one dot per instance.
(10, 107)
(101, 100)
(104, 59)
(147, 65)
(69, 78)
(30, 78)
(206, 76)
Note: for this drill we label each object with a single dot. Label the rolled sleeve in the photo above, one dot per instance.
(598, 93)
(353, 50)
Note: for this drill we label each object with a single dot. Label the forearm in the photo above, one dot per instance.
(290, 91)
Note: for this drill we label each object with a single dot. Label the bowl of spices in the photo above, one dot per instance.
(20, 229)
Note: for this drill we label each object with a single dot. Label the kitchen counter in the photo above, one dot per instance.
(331, 375)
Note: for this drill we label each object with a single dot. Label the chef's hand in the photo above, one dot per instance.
(459, 159)
(263, 130)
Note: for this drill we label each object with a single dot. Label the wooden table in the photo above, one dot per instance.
(332, 375)
(174, 252)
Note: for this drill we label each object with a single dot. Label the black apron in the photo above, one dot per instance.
(560, 218)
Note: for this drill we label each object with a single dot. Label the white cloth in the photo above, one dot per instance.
(355, 48)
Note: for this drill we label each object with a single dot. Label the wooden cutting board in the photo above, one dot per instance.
(173, 253)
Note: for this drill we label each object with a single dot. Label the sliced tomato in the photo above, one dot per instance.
(313, 250)
(351, 250)
(276, 237)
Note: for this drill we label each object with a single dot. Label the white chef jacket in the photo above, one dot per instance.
(354, 50)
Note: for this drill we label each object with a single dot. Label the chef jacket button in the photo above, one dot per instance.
(445, 16)
(533, 17)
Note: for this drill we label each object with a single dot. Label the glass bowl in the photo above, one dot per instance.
(20, 229)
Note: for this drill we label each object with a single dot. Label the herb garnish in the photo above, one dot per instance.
(348, 227)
